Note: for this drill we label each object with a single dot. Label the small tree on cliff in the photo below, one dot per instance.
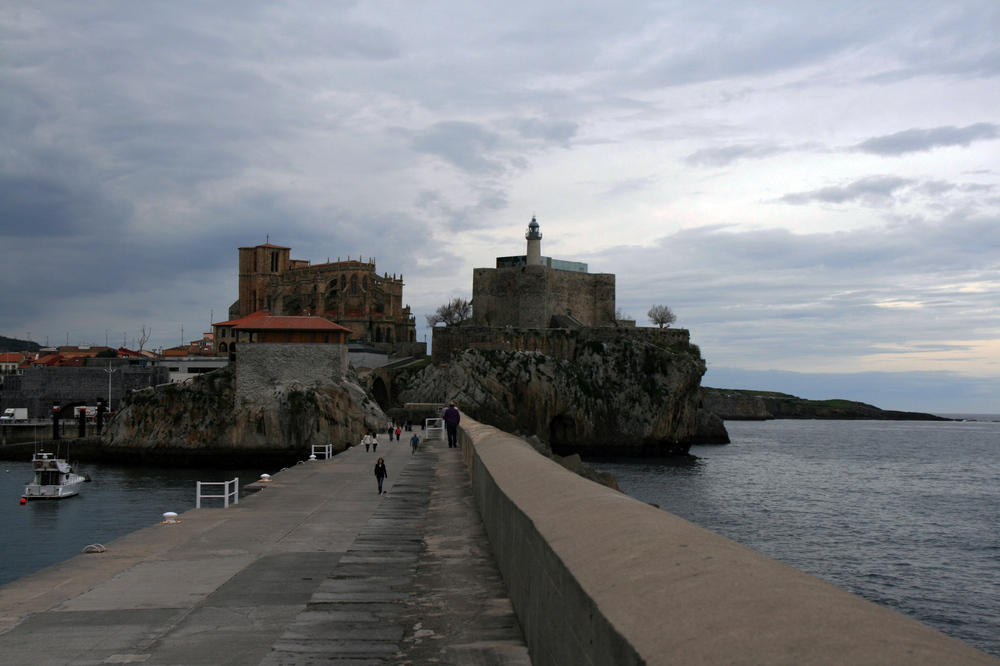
(453, 312)
(661, 315)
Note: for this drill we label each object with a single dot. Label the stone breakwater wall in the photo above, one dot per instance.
(558, 342)
(261, 365)
(597, 577)
(38, 388)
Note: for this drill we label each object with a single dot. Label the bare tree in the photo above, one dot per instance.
(144, 335)
(661, 315)
(453, 312)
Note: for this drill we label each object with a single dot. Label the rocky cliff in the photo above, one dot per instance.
(202, 421)
(617, 397)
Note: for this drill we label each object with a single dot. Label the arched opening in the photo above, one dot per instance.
(354, 285)
(223, 347)
(562, 432)
(378, 335)
(388, 335)
(380, 393)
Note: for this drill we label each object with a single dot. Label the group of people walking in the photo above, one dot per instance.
(451, 417)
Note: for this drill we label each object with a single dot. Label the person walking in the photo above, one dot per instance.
(367, 441)
(374, 441)
(399, 431)
(391, 430)
(380, 475)
(413, 442)
(452, 417)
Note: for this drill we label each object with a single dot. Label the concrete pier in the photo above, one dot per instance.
(319, 568)
(316, 567)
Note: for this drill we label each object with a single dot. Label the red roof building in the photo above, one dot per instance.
(263, 327)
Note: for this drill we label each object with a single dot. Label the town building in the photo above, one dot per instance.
(532, 291)
(350, 293)
(262, 326)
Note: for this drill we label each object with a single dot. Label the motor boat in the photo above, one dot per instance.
(54, 478)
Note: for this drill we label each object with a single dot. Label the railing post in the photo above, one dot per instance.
(197, 501)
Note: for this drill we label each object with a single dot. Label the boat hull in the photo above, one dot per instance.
(34, 491)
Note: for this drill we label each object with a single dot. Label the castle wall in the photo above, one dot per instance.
(557, 342)
(529, 296)
(260, 365)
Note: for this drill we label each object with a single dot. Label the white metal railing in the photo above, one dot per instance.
(434, 428)
(234, 493)
(325, 449)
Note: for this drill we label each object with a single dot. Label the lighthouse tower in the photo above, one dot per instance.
(534, 237)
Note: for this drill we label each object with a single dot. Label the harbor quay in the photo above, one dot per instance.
(315, 567)
(486, 554)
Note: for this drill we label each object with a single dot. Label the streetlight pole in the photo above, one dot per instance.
(109, 370)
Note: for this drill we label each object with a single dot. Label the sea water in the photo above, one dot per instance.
(118, 500)
(902, 513)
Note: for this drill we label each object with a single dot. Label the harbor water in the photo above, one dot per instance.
(902, 513)
(118, 500)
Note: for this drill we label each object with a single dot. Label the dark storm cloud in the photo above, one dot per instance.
(47, 208)
(871, 191)
(922, 140)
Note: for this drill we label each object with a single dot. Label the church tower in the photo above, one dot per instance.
(534, 237)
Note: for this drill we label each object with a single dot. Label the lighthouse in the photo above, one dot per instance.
(534, 237)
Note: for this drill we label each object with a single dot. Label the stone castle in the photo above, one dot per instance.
(350, 293)
(533, 291)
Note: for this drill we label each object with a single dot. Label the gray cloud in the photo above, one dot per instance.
(871, 191)
(556, 131)
(922, 140)
(466, 145)
(719, 157)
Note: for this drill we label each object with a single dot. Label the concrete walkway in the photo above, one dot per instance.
(317, 567)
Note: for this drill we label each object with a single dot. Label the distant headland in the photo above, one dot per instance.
(744, 405)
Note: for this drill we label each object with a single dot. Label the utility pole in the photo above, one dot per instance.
(109, 370)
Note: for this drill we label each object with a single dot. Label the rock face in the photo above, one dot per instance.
(619, 397)
(203, 421)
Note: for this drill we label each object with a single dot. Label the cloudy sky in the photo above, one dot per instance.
(812, 187)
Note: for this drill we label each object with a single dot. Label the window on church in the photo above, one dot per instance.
(274, 262)
(364, 283)
(354, 284)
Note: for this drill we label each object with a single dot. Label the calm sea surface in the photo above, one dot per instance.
(119, 500)
(902, 513)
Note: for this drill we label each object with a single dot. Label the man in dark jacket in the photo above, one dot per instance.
(451, 419)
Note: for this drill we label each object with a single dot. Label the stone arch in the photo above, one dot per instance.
(380, 393)
(223, 347)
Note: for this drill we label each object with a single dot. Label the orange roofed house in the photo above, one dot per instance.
(261, 326)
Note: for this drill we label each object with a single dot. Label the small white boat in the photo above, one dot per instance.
(54, 478)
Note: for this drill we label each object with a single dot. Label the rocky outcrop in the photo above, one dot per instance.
(201, 420)
(619, 397)
(737, 405)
